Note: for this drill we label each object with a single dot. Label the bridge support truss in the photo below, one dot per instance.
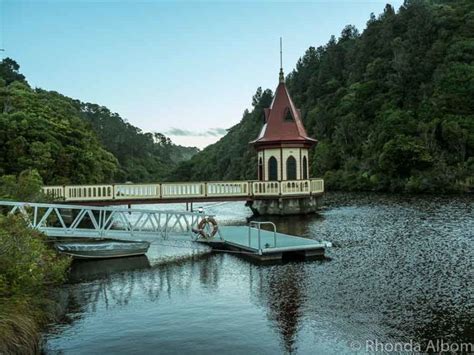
(59, 220)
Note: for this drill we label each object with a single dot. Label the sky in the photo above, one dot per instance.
(187, 69)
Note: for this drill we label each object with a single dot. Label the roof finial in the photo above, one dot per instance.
(282, 76)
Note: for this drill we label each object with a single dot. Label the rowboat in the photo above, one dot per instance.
(100, 249)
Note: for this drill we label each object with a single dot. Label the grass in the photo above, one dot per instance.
(29, 269)
(20, 327)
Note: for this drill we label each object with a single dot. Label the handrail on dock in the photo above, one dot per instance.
(259, 227)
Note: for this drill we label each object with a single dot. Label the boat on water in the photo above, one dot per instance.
(102, 249)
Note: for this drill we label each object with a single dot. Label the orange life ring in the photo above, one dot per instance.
(202, 225)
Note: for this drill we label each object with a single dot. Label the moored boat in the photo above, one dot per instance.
(101, 249)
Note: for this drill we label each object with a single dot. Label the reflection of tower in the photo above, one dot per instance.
(283, 290)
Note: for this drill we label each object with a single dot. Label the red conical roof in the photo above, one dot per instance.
(283, 123)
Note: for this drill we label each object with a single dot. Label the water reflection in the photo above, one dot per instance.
(83, 270)
(294, 225)
(103, 286)
(285, 294)
(402, 270)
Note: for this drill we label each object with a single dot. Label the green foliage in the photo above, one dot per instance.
(68, 141)
(9, 72)
(402, 154)
(28, 268)
(43, 131)
(27, 264)
(392, 106)
(24, 187)
(141, 156)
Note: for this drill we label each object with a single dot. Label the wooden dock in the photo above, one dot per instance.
(265, 245)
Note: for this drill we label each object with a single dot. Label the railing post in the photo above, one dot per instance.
(274, 236)
(249, 235)
(35, 216)
(259, 242)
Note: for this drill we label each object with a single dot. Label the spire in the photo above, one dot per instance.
(283, 124)
(282, 76)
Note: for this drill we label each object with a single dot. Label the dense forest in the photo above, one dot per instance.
(68, 141)
(392, 107)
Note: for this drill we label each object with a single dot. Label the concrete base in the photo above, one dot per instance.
(284, 206)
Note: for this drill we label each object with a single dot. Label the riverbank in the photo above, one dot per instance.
(29, 271)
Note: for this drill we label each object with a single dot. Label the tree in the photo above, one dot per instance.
(391, 107)
(9, 71)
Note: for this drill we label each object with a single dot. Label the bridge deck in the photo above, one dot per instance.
(184, 191)
(272, 246)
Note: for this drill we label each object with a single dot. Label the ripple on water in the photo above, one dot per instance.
(401, 268)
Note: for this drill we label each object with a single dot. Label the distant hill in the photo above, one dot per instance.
(392, 107)
(69, 141)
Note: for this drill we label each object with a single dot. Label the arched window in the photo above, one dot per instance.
(291, 168)
(305, 168)
(260, 169)
(272, 169)
(288, 116)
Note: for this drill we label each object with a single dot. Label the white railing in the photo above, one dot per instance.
(186, 190)
(56, 192)
(297, 187)
(255, 225)
(266, 188)
(317, 186)
(58, 220)
(228, 188)
(130, 191)
(88, 192)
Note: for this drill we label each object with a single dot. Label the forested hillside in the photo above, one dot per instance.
(68, 141)
(142, 156)
(392, 107)
(229, 158)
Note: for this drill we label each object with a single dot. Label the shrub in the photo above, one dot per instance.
(28, 268)
(27, 263)
(24, 187)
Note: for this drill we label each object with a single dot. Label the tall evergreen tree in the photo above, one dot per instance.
(391, 107)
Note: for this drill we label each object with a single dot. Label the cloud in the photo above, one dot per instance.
(212, 132)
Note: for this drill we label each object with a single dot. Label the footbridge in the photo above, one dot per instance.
(60, 220)
(92, 222)
(123, 194)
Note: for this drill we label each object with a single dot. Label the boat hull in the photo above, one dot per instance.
(103, 249)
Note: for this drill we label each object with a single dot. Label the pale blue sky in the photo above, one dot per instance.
(190, 65)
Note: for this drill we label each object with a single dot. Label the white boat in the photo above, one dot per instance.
(100, 249)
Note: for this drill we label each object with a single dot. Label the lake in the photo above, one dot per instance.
(400, 271)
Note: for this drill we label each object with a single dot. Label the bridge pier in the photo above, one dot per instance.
(284, 206)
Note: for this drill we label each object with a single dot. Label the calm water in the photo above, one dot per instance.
(401, 269)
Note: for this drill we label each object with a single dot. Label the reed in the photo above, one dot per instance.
(29, 269)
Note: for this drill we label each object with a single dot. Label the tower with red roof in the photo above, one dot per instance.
(283, 144)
